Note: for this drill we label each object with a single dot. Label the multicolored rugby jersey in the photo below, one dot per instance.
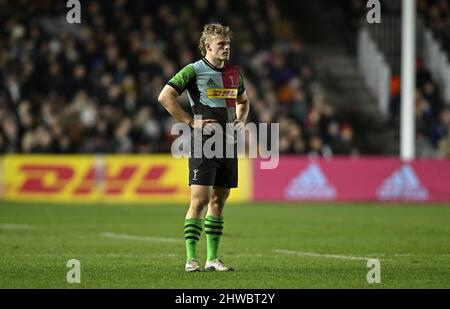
(212, 91)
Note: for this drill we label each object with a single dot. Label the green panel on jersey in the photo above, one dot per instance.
(182, 78)
(241, 88)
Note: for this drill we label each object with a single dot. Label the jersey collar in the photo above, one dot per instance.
(212, 66)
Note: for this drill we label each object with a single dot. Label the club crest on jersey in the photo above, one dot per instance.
(222, 93)
(232, 81)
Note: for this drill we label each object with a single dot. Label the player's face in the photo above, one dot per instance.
(219, 48)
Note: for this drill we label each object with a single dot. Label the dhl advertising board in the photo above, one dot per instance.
(110, 178)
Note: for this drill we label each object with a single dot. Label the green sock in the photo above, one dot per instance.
(192, 232)
(213, 230)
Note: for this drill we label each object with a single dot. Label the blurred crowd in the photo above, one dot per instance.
(436, 14)
(432, 114)
(93, 87)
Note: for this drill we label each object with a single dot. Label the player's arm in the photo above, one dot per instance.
(242, 107)
(168, 99)
(173, 89)
(242, 103)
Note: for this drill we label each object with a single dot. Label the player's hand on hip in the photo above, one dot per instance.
(201, 123)
(238, 125)
(207, 125)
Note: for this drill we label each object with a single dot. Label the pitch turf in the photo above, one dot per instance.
(270, 245)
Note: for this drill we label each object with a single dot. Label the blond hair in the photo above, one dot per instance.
(211, 30)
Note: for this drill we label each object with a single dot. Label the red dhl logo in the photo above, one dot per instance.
(222, 93)
(113, 184)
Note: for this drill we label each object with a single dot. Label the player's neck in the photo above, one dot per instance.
(215, 62)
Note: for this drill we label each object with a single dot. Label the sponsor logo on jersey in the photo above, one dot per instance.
(222, 93)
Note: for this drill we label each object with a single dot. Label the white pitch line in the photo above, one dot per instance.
(247, 255)
(13, 226)
(408, 254)
(332, 256)
(134, 237)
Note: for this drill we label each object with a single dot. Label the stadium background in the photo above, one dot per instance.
(85, 145)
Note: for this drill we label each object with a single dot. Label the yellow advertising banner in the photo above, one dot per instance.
(109, 178)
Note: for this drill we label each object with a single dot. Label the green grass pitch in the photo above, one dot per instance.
(270, 246)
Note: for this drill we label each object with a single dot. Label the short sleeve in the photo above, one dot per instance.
(241, 87)
(180, 80)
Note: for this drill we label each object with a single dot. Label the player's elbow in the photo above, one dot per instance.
(161, 97)
(166, 96)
